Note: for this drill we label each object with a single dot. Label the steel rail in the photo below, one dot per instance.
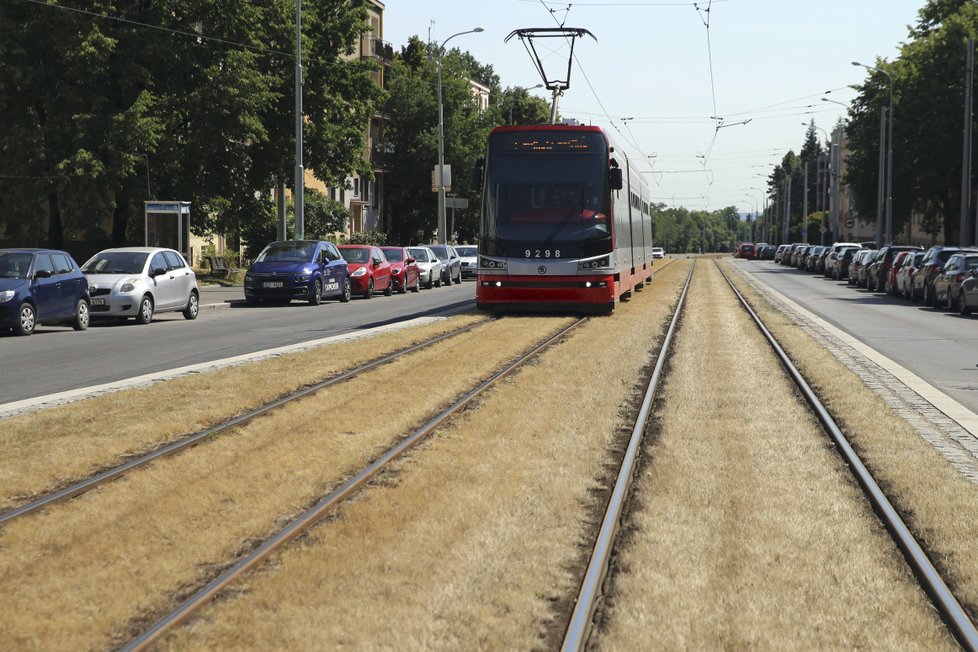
(579, 626)
(320, 509)
(195, 438)
(951, 611)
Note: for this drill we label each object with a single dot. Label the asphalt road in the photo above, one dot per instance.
(940, 347)
(56, 359)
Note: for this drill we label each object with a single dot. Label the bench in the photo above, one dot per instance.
(219, 266)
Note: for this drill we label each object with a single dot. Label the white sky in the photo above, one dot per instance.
(772, 61)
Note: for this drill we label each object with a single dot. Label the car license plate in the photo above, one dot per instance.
(98, 302)
(272, 284)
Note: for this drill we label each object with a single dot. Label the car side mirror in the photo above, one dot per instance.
(158, 271)
(42, 273)
(616, 179)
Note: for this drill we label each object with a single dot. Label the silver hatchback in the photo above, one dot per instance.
(139, 282)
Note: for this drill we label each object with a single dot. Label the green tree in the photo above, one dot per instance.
(412, 135)
(518, 107)
(928, 91)
(200, 92)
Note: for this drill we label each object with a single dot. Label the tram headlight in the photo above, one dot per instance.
(597, 263)
(489, 263)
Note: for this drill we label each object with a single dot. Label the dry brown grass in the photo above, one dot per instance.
(938, 503)
(472, 541)
(75, 575)
(750, 531)
(45, 449)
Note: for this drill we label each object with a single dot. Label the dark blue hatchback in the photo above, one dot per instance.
(41, 286)
(311, 270)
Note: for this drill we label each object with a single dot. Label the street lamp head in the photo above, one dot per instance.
(856, 63)
(478, 29)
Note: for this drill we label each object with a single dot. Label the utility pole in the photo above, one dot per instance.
(880, 217)
(787, 211)
(804, 210)
(963, 239)
(299, 173)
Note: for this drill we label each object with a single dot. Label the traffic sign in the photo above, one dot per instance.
(850, 222)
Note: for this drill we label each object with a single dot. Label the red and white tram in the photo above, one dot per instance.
(565, 221)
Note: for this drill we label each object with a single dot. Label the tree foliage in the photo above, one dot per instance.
(928, 91)
(194, 99)
(412, 137)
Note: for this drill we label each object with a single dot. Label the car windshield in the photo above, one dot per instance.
(419, 255)
(358, 255)
(394, 255)
(440, 251)
(287, 252)
(14, 265)
(467, 250)
(116, 262)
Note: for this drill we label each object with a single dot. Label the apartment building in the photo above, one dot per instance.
(364, 196)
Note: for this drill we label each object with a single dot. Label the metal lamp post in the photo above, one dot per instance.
(442, 226)
(299, 172)
(820, 202)
(889, 156)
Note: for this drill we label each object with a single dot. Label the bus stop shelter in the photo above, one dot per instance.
(167, 224)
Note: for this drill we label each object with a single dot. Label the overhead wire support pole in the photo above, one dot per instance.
(299, 172)
(966, 148)
(443, 235)
(555, 86)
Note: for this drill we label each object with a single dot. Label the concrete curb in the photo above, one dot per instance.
(61, 398)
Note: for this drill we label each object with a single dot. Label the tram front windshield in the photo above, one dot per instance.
(546, 189)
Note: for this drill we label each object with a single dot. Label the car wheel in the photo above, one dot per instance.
(417, 283)
(26, 320)
(438, 282)
(962, 304)
(316, 293)
(82, 316)
(193, 307)
(928, 296)
(252, 301)
(145, 314)
(370, 290)
(430, 283)
(389, 290)
(948, 305)
(345, 296)
(458, 278)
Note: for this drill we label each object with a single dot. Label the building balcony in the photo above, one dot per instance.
(375, 48)
(378, 156)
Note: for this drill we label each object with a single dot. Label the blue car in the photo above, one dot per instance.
(41, 286)
(310, 270)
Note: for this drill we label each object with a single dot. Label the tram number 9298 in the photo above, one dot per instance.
(541, 253)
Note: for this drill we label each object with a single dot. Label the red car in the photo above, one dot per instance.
(369, 270)
(745, 250)
(404, 269)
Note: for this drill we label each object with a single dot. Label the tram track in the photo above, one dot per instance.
(590, 595)
(347, 485)
(316, 513)
(193, 439)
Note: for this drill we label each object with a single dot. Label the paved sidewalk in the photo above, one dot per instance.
(218, 296)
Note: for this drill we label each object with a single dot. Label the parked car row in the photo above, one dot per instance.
(942, 277)
(47, 286)
(312, 270)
